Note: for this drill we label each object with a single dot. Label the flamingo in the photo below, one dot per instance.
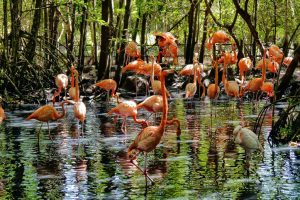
(275, 51)
(213, 89)
(231, 87)
(2, 115)
(133, 66)
(167, 42)
(72, 89)
(199, 69)
(131, 50)
(47, 113)
(255, 84)
(191, 88)
(61, 81)
(156, 84)
(217, 37)
(268, 87)
(78, 106)
(244, 65)
(152, 104)
(247, 139)
(109, 84)
(127, 109)
(150, 137)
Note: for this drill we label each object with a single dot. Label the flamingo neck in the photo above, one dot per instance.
(195, 73)
(63, 110)
(152, 72)
(264, 67)
(72, 79)
(76, 87)
(165, 102)
(216, 77)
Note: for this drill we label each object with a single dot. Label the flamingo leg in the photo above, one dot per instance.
(145, 170)
(107, 97)
(50, 137)
(139, 168)
(82, 128)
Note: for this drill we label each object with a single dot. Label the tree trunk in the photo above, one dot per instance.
(70, 25)
(204, 34)
(253, 44)
(95, 47)
(104, 52)
(15, 29)
(286, 79)
(82, 42)
(117, 32)
(31, 45)
(143, 35)
(5, 39)
(247, 18)
(136, 26)
(124, 34)
(189, 47)
(46, 36)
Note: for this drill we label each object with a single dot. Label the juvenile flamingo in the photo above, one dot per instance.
(247, 139)
(61, 81)
(127, 109)
(109, 84)
(47, 113)
(2, 115)
(150, 137)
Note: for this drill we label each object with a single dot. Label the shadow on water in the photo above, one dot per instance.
(204, 163)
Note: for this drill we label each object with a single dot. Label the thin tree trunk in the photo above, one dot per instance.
(245, 15)
(124, 34)
(46, 36)
(189, 47)
(104, 52)
(136, 26)
(15, 29)
(204, 34)
(95, 36)
(82, 42)
(254, 43)
(118, 32)
(143, 35)
(31, 45)
(5, 39)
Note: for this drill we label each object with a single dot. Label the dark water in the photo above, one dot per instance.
(203, 164)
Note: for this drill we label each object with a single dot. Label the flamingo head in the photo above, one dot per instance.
(237, 129)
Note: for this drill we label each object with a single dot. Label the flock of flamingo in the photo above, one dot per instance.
(150, 136)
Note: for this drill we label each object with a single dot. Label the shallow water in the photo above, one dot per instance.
(203, 164)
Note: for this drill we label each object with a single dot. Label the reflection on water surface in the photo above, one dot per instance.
(204, 163)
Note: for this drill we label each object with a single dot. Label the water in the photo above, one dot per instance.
(203, 164)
